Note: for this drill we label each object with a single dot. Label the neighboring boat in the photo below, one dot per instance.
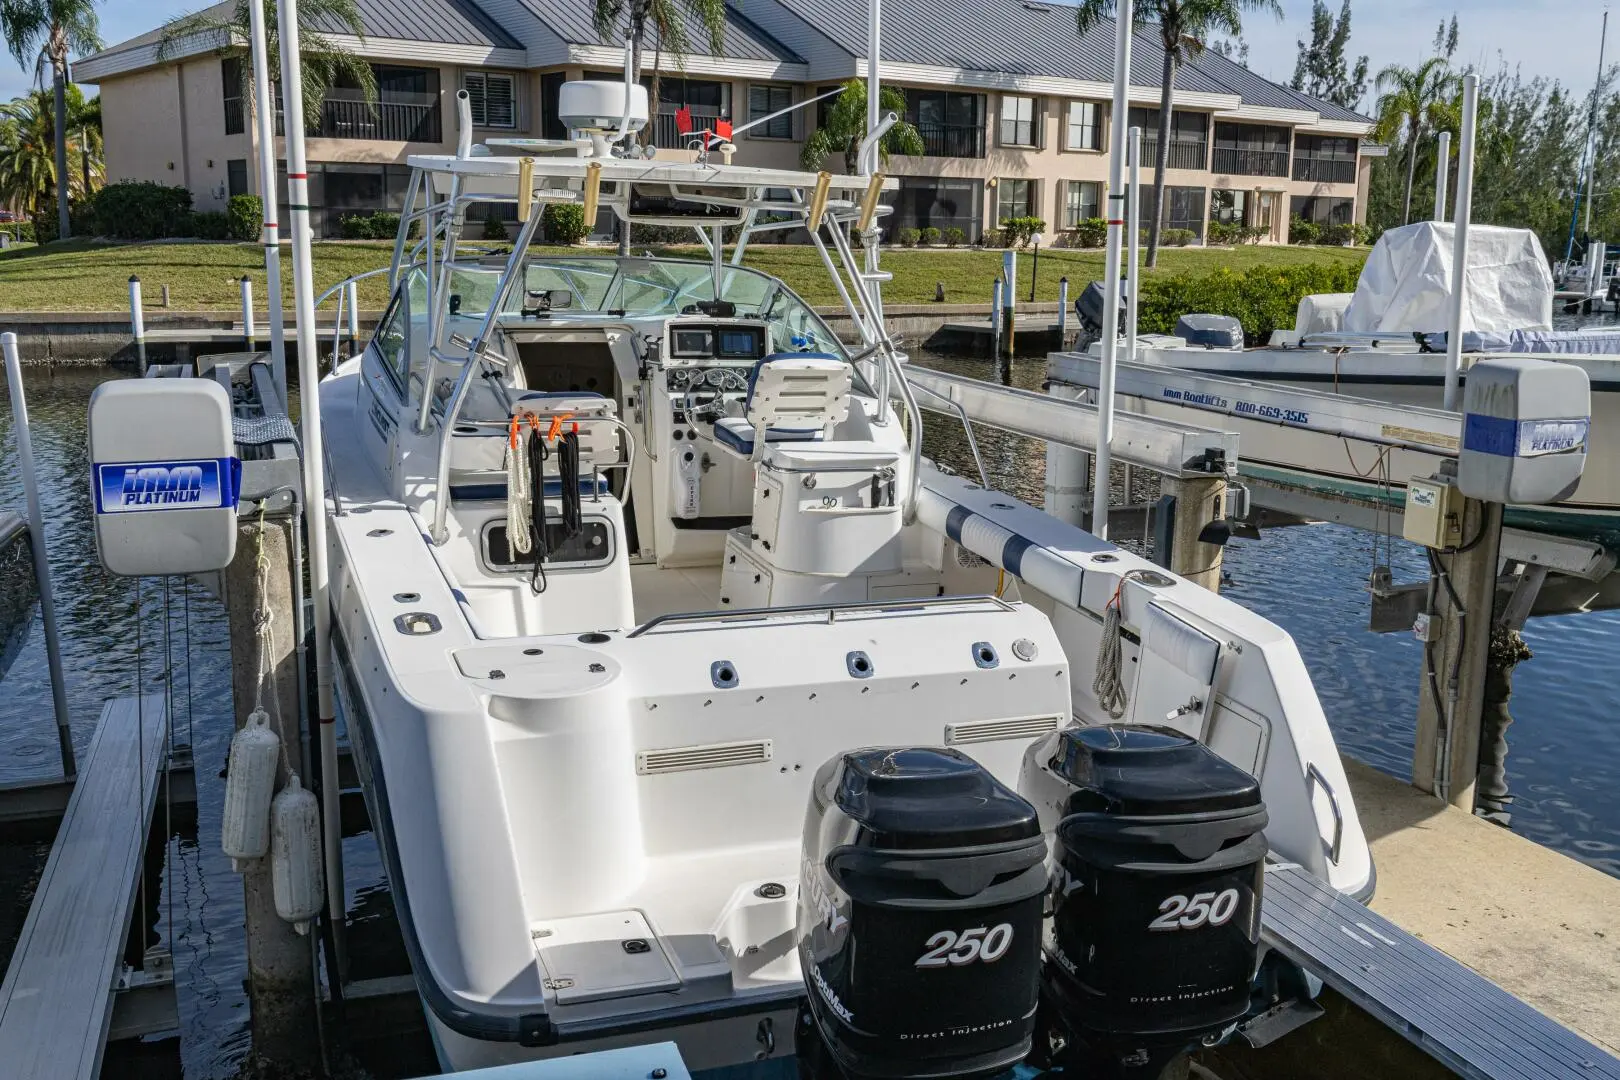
(625, 548)
(1387, 345)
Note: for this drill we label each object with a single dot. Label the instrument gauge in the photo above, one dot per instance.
(717, 378)
(678, 378)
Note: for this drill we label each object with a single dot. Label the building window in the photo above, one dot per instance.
(236, 177)
(1189, 138)
(1083, 126)
(1184, 208)
(1325, 159)
(1227, 206)
(338, 190)
(1017, 120)
(925, 201)
(764, 100)
(406, 109)
(493, 97)
(1250, 150)
(1082, 201)
(705, 101)
(230, 76)
(1015, 199)
(951, 124)
(1322, 210)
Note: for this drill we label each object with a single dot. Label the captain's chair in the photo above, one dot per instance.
(792, 397)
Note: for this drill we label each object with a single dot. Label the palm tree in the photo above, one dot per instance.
(84, 117)
(1184, 27)
(1409, 98)
(668, 18)
(41, 32)
(27, 145)
(324, 62)
(845, 127)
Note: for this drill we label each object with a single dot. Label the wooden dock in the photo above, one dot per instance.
(57, 1003)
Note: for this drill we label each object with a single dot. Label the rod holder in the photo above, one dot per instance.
(818, 201)
(869, 203)
(593, 190)
(525, 191)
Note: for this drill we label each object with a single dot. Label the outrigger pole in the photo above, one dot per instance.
(309, 382)
(268, 194)
(1116, 231)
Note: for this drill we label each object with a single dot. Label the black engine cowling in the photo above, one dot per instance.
(1157, 863)
(919, 923)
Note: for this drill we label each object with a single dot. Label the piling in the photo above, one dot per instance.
(248, 331)
(1066, 469)
(280, 968)
(1493, 801)
(1063, 313)
(1199, 501)
(42, 564)
(352, 289)
(1451, 698)
(995, 318)
(137, 320)
(1009, 274)
(1442, 166)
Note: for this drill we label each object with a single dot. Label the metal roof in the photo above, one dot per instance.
(573, 21)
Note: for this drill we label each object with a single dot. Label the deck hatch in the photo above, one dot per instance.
(710, 756)
(1012, 727)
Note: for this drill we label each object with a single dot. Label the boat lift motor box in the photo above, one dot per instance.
(164, 476)
(1525, 428)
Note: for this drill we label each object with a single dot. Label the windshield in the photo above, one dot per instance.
(645, 287)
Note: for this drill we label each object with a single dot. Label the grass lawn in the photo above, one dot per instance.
(87, 276)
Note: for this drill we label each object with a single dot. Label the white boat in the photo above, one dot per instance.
(589, 772)
(1386, 345)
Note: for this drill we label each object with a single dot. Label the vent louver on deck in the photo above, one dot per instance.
(1015, 727)
(712, 756)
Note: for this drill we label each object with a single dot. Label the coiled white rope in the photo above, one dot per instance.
(1109, 686)
(519, 507)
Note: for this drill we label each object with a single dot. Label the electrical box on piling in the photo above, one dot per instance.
(164, 476)
(1525, 427)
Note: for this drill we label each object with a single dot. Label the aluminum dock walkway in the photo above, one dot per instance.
(57, 1002)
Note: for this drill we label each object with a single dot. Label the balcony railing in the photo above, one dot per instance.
(952, 140)
(1184, 153)
(1250, 162)
(666, 133)
(1324, 170)
(406, 118)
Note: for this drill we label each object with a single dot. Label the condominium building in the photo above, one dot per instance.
(1011, 102)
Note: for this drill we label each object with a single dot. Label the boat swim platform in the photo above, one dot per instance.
(67, 990)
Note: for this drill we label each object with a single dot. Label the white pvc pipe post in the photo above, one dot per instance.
(42, 562)
(1116, 224)
(309, 379)
(137, 320)
(1133, 228)
(995, 318)
(248, 331)
(271, 240)
(1459, 252)
(1442, 166)
(1063, 310)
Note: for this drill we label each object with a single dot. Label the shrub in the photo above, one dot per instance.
(247, 216)
(1221, 232)
(1344, 235)
(21, 231)
(930, 236)
(1177, 237)
(81, 216)
(565, 223)
(495, 229)
(141, 210)
(1091, 233)
(1252, 234)
(991, 238)
(379, 225)
(954, 237)
(210, 225)
(661, 235)
(909, 237)
(1301, 231)
(1017, 231)
(1262, 298)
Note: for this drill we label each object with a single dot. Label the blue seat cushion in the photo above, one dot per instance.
(737, 433)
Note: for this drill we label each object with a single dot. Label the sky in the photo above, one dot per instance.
(1536, 35)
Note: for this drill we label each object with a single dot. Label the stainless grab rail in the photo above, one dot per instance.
(967, 426)
(1314, 775)
(830, 610)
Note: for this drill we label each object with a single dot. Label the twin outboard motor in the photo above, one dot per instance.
(919, 926)
(1157, 863)
(924, 884)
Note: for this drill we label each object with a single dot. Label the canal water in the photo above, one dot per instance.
(121, 636)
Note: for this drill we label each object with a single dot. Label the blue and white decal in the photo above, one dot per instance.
(143, 486)
(1524, 438)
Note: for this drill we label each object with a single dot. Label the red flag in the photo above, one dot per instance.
(722, 128)
(683, 120)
